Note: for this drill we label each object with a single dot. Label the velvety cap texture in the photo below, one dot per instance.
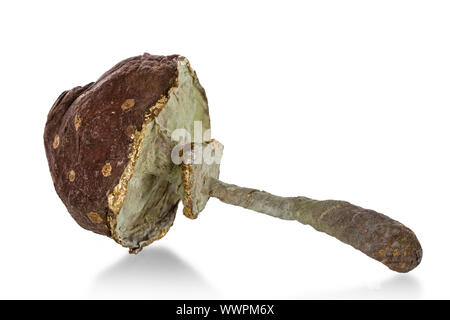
(89, 131)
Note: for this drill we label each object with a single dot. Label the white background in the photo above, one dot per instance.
(327, 99)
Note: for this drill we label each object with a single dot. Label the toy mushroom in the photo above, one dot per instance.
(112, 159)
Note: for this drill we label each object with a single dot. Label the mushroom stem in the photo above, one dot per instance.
(373, 233)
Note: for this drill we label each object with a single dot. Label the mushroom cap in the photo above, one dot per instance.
(91, 134)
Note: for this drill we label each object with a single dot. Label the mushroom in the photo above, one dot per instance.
(119, 171)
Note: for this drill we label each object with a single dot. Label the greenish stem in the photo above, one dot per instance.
(373, 233)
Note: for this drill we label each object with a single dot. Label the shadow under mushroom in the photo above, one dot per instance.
(156, 272)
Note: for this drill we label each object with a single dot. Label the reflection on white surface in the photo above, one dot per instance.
(399, 286)
(156, 272)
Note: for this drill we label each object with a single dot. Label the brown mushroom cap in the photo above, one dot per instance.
(100, 143)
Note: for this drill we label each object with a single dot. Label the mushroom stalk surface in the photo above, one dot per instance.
(373, 233)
